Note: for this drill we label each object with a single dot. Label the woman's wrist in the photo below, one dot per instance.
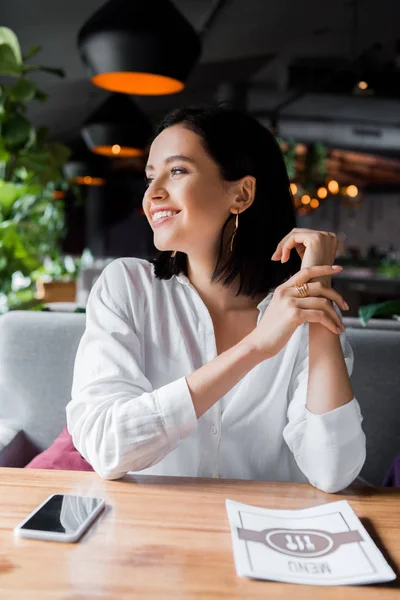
(253, 350)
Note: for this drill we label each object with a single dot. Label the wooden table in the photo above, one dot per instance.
(166, 538)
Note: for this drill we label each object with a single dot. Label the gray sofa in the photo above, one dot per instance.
(37, 352)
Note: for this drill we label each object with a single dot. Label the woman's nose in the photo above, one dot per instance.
(158, 194)
(155, 191)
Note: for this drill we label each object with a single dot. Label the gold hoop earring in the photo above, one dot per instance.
(236, 228)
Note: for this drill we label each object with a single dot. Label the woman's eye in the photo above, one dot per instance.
(148, 181)
(178, 171)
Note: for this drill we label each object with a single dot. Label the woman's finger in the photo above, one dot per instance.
(320, 316)
(321, 290)
(296, 231)
(277, 254)
(304, 275)
(321, 304)
(297, 237)
(291, 242)
(282, 249)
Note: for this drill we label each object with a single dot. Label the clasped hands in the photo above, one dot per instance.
(287, 308)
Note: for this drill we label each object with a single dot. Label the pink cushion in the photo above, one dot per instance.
(61, 455)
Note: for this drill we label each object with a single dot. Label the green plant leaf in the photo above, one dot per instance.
(389, 269)
(4, 155)
(2, 105)
(43, 173)
(16, 131)
(51, 70)
(41, 135)
(41, 96)
(7, 36)
(60, 153)
(24, 300)
(9, 194)
(46, 162)
(32, 52)
(8, 63)
(391, 307)
(39, 163)
(12, 242)
(31, 140)
(24, 89)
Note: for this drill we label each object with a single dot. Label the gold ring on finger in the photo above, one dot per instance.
(302, 290)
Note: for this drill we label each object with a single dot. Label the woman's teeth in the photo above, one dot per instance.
(164, 213)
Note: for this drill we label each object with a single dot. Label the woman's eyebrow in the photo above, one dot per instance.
(172, 159)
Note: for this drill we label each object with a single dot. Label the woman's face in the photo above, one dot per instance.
(182, 177)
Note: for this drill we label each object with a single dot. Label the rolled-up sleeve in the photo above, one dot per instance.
(117, 421)
(329, 448)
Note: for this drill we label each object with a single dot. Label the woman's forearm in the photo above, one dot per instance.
(328, 382)
(214, 379)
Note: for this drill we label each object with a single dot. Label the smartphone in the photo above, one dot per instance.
(60, 518)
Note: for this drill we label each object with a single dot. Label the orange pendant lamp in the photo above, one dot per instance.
(83, 167)
(139, 47)
(117, 129)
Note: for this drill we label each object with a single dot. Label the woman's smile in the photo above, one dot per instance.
(159, 220)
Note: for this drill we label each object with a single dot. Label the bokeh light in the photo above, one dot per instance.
(333, 186)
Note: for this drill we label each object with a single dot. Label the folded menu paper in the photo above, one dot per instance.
(323, 545)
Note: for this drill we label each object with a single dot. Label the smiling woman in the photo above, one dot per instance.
(225, 360)
(218, 164)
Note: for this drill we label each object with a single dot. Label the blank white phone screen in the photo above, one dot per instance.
(62, 513)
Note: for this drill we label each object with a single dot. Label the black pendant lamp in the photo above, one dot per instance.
(139, 47)
(117, 128)
(83, 167)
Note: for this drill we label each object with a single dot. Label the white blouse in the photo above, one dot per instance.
(131, 408)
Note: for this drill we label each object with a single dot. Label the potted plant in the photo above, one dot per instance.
(390, 308)
(57, 279)
(32, 219)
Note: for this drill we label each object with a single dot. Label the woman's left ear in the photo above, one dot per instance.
(247, 191)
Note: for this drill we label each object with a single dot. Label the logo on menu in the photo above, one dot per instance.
(303, 543)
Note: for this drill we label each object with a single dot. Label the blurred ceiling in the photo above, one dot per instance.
(293, 63)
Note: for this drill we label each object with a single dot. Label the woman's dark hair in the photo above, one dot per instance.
(241, 146)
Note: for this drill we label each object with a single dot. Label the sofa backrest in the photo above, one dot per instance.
(37, 352)
(376, 385)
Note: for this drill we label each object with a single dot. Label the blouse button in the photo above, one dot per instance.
(213, 430)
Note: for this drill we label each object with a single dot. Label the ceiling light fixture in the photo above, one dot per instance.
(83, 167)
(117, 129)
(139, 47)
